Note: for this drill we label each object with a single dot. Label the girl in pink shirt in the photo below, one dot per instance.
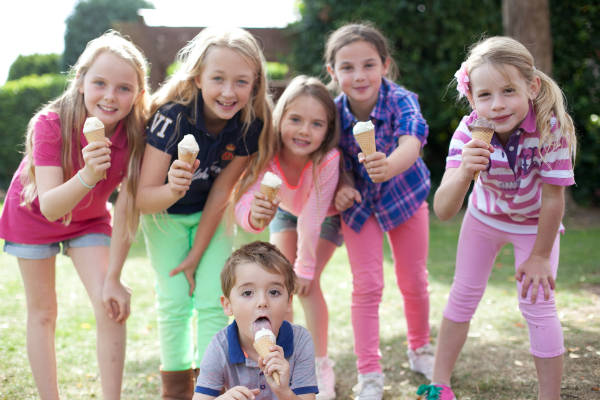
(518, 198)
(305, 227)
(59, 196)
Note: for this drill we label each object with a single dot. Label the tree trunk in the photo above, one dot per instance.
(528, 21)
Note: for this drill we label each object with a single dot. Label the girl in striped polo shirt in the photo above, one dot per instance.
(518, 198)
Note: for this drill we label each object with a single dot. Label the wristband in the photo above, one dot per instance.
(83, 182)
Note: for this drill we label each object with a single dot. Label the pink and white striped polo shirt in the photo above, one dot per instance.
(508, 196)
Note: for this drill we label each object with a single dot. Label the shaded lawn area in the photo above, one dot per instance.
(495, 363)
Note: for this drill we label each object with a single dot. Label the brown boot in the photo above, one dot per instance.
(177, 385)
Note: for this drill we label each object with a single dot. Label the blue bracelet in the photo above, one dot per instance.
(83, 182)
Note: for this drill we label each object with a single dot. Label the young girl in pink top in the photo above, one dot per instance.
(305, 227)
(58, 197)
(518, 198)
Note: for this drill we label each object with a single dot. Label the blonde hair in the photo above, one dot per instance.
(264, 254)
(71, 110)
(351, 33)
(181, 88)
(550, 101)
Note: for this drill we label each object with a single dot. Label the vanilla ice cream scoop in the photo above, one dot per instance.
(264, 332)
(92, 124)
(271, 180)
(187, 149)
(363, 126)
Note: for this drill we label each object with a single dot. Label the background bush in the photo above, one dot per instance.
(19, 100)
(430, 39)
(34, 64)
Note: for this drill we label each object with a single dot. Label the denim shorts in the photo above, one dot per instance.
(47, 250)
(331, 228)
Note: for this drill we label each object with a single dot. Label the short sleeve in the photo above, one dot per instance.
(409, 120)
(460, 137)
(248, 142)
(47, 141)
(557, 167)
(161, 131)
(211, 379)
(304, 379)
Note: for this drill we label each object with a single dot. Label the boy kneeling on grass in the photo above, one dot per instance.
(258, 286)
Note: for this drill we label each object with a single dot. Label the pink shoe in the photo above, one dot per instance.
(436, 392)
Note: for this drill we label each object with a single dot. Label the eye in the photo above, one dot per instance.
(274, 292)
(125, 88)
(369, 65)
(242, 82)
(217, 78)
(482, 95)
(509, 90)
(246, 293)
(98, 83)
(318, 124)
(346, 68)
(294, 119)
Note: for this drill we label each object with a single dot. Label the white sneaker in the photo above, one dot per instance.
(369, 386)
(421, 360)
(325, 378)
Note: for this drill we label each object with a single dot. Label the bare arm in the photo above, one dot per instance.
(381, 168)
(115, 295)
(57, 197)
(154, 195)
(537, 269)
(211, 216)
(450, 195)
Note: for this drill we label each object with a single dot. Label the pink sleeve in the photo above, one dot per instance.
(461, 136)
(557, 167)
(314, 212)
(47, 141)
(242, 207)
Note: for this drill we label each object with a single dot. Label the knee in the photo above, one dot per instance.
(366, 294)
(43, 315)
(462, 304)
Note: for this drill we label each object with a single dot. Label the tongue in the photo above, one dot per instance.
(261, 323)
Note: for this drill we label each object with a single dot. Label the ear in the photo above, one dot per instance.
(470, 99)
(331, 72)
(290, 307)
(534, 87)
(139, 95)
(226, 304)
(198, 81)
(386, 65)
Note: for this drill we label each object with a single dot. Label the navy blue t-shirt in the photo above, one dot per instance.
(172, 121)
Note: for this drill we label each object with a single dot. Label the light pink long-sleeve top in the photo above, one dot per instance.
(309, 202)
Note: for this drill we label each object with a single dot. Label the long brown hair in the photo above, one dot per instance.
(71, 110)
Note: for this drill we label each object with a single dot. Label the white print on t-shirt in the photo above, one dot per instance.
(160, 119)
(204, 173)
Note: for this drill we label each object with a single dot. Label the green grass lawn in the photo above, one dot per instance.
(495, 363)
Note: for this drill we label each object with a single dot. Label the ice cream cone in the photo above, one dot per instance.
(93, 130)
(364, 133)
(262, 345)
(483, 130)
(187, 149)
(269, 186)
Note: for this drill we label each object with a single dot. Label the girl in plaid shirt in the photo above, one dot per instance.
(383, 192)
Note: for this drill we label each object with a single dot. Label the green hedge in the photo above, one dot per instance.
(34, 64)
(429, 41)
(19, 100)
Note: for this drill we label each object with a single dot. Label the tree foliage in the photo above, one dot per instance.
(34, 64)
(430, 39)
(91, 18)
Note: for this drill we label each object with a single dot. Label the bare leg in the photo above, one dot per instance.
(451, 339)
(92, 264)
(286, 242)
(39, 282)
(549, 371)
(314, 305)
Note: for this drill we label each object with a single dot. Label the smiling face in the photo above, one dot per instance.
(109, 88)
(501, 95)
(303, 127)
(226, 82)
(359, 70)
(258, 298)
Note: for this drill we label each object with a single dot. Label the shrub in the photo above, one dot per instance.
(34, 64)
(19, 100)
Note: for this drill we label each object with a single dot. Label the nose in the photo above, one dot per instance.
(497, 103)
(109, 94)
(262, 301)
(228, 89)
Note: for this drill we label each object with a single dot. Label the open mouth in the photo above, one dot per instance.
(261, 323)
(106, 108)
(301, 142)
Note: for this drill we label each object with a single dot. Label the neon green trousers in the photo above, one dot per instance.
(168, 240)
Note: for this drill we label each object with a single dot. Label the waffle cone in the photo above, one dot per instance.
(366, 141)
(95, 136)
(187, 156)
(484, 134)
(271, 194)
(262, 347)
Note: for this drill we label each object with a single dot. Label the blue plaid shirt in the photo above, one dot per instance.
(396, 113)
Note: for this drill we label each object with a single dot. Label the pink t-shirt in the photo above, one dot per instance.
(508, 196)
(309, 204)
(27, 225)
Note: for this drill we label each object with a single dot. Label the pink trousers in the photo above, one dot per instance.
(478, 246)
(409, 244)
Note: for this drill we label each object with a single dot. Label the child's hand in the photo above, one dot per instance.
(377, 166)
(180, 176)
(188, 267)
(303, 286)
(532, 272)
(475, 157)
(345, 197)
(276, 362)
(116, 299)
(262, 210)
(239, 393)
(96, 156)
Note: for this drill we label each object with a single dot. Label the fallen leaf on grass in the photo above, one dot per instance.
(518, 363)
